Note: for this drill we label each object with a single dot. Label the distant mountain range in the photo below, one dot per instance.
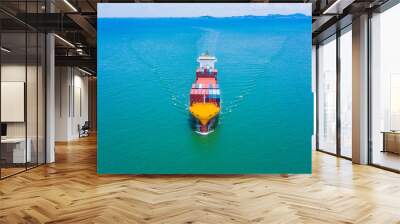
(271, 16)
(296, 15)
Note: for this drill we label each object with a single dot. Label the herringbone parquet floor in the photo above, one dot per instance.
(70, 191)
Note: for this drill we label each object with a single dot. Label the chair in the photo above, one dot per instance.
(84, 130)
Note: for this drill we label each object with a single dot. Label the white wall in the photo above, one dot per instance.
(17, 72)
(62, 82)
(80, 110)
(71, 102)
(14, 72)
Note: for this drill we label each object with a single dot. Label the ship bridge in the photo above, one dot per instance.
(206, 61)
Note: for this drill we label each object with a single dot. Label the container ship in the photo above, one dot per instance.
(205, 96)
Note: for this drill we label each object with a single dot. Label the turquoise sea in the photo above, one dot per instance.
(145, 71)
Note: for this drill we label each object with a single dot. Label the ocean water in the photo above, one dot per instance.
(145, 71)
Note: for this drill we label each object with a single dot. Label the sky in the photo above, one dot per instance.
(148, 10)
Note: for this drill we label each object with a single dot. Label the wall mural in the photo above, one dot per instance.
(204, 88)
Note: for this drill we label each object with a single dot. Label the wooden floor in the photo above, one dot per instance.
(5, 172)
(70, 191)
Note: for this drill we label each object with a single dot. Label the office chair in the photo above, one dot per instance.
(84, 130)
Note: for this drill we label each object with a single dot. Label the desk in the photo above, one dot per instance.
(391, 141)
(19, 154)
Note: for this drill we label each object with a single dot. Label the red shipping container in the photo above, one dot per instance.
(206, 80)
